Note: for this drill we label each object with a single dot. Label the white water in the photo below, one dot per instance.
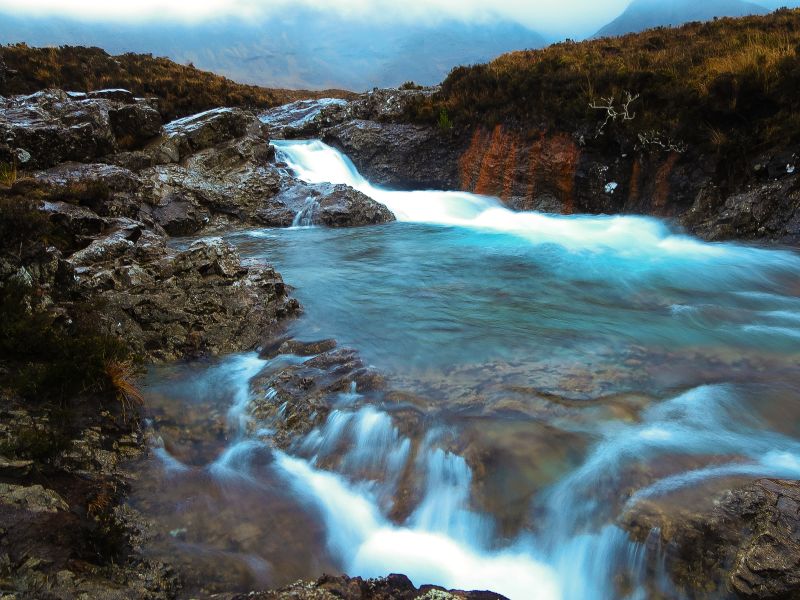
(577, 555)
(316, 162)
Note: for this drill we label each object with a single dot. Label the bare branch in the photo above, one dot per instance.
(660, 141)
(612, 112)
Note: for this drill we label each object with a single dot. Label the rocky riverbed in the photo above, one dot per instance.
(137, 208)
(115, 183)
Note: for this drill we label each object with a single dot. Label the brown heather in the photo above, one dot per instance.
(729, 86)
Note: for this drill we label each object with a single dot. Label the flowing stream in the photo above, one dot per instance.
(555, 371)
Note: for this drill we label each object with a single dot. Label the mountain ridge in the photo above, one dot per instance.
(647, 14)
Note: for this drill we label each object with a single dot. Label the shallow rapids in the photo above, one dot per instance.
(555, 372)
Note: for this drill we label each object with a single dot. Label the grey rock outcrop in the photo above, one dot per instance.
(52, 127)
(399, 155)
(169, 303)
(769, 210)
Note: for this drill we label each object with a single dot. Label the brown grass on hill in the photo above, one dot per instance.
(182, 89)
(729, 83)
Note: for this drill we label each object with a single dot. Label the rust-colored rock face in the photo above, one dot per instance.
(521, 171)
(552, 172)
(635, 182)
(661, 194)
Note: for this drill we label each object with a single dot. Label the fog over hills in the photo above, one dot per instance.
(305, 47)
(645, 14)
(294, 50)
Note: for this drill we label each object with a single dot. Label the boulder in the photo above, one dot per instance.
(180, 214)
(191, 187)
(134, 124)
(747, 542)
(310, 118)
(169, 304)
(343, 206)
(304, 118)
(340, 205)
(116, 94)
(397, 155)
(768, 210)
(188, 135)
(108, 190)
(52, 126)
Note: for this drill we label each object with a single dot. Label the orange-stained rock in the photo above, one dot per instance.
(661, 193)
(633, 188)
(501, 164)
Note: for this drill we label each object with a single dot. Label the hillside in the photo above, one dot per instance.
(728, 87)
(182, 90)
(296, 48)
(646, 14)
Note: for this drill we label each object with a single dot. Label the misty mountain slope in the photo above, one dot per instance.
(296, 49)
(646, 14)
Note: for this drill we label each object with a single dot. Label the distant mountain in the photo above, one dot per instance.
(297, 49)
(646, 14)
(775, 4)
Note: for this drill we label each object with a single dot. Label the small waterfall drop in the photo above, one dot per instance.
(305, 216)
(316, 162)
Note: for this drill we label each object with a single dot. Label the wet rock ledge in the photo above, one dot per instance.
(745, 543)
(393, 587)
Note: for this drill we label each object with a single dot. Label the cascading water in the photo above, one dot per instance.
(573, 367)
(305, 216)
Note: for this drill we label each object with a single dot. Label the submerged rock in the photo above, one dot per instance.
(747, 542)
(299, 397)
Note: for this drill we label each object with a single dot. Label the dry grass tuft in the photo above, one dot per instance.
(122, 376)
(8, 174)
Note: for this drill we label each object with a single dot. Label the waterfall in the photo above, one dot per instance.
(315, 162)
(305, 216)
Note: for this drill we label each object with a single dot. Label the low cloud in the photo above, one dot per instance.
(570, 16)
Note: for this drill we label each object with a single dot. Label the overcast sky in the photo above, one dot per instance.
(568, 17)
